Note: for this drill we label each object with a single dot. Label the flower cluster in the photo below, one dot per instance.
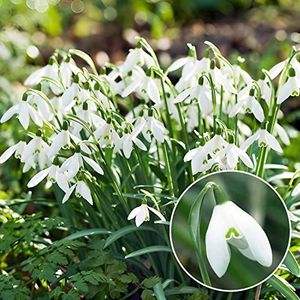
(82, 124)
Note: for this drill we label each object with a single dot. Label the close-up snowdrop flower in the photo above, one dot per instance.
(81, 190)
(141, 214)
(54, 176)
(25, 111)
(129, 139)
(264, 137)
(199, 155)
(72, 165)
(230, 225)
(247, 102)
(135, 57)
(16, 150)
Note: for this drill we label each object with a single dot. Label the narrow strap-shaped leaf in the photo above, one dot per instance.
(194, 227)
(124, 231)
(181, 291)
(159, 291)
(292, 264)
(147, 250)
(283, 287)
(87, 232)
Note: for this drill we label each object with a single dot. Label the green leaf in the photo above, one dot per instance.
(158, 172)
(283, 287)
(181, 290)
(147, 250)
(150, 282)
(85, 57)
(124, 231)
(159, 292)
(87, 232)
(292, 264)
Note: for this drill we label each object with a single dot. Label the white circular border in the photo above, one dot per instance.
(211, 287)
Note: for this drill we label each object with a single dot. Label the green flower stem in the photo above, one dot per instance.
(168, 116)
(214, 101)
(171, 181)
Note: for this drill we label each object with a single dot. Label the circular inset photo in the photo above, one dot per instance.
(230, 231)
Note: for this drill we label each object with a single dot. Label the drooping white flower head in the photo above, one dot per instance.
(265, 137)
(230, 225)
(141, 214)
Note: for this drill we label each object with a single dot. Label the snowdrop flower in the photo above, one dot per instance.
(152, 126)
(63, 139)
(143, 84)
(201, 93)
(230, 225)
(67, 69)
(141, 214)
(291, 86)
(264, 137)
(231, 154)
(186, 62)
(72, 165)
(247, 101)
(72, 93)
(135, 57)
(51, 70)
(106, 135)
(54, 175)
(130, 139)
(35, 153)
(198, 156)
(16, 149)
(81, 190)
(25, 112)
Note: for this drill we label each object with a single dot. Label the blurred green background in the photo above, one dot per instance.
(260, 31)
(253, 196)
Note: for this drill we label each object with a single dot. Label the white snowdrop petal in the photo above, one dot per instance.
(272, 142)
(285, 91)
(282, 134)
(134, 213)
(217, 249)
(8, 153)
(9, 113)
(157, 130)
(140, 144)
(84, 191)
(93, 165)
(257, 239)
(190, 155)
(152, 91)
(177, 64)
(158, 213)
(275, 70)
(68, 193)
(127, 147)
(35, 77)
(257, 111)
(142, 216)
(37, 178)
(296, 190)
(62, 182)
(182, 96)
(24, 115)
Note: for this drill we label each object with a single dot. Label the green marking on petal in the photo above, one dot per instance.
(232, 232)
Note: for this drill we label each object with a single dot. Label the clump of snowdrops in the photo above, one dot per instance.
(124, 142)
